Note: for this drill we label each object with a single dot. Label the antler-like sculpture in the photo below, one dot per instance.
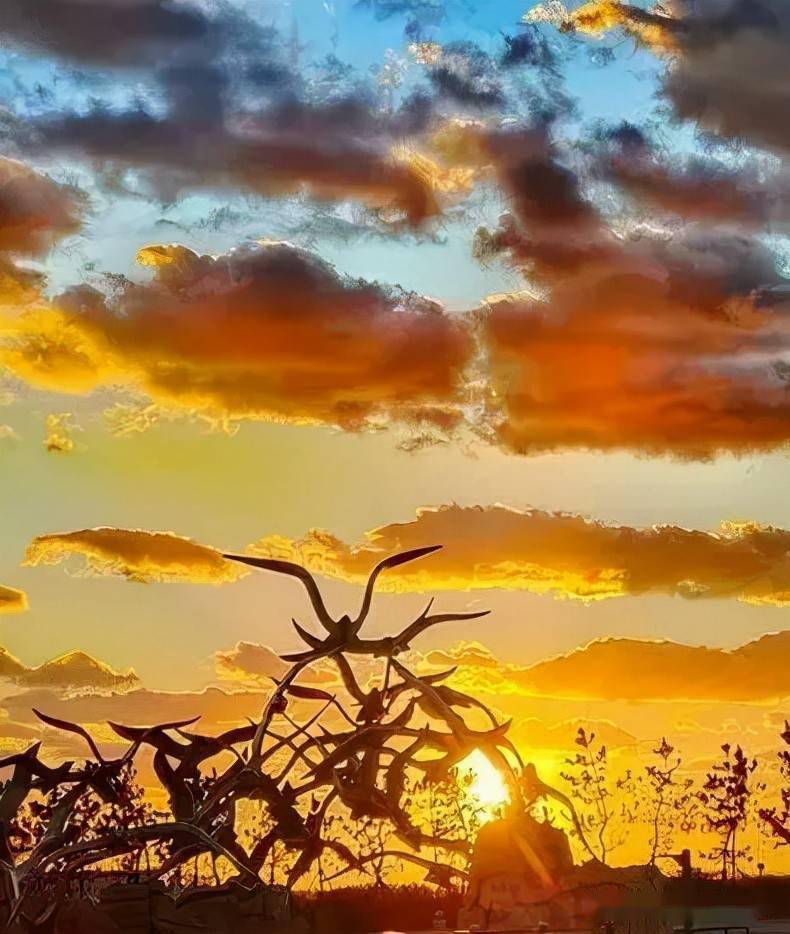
(343, 633)
(304, 770)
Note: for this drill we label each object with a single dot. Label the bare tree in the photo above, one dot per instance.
(725, 797)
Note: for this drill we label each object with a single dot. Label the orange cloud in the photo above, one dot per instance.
(662, 347)
(149, 557)
(269, 332)
(12, 601)
(556, 553)
(682, 335)
(34, 211)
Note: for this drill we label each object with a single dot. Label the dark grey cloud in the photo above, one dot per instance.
(107, 32)
(694, 187)
(467, 75)
(340, 150)
(733, 71)
(728, 61)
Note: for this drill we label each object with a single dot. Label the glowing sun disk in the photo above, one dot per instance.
(487, 786)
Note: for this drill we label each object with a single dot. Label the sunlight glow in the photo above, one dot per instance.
(487, 785)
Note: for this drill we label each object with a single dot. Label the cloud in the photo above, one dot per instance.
(561, 554)
(274, 333)
(627, 670)
(12, 601)
(141, 707)
(219, 103)
(467, 654)
(682, 335)
(34, 211)
(137, 555)
(425, 12)
(74, 670)
(463, 73)
(695, 188)
(684, 358)
(252, 664)
(719, 79)
(8, 437)
(630, 669)
(721, 55)
(338, 151)
(121, 32)
(59, 428)
(10, 666)
(77, 670)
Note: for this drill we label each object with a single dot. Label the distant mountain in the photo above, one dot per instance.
(635, 669)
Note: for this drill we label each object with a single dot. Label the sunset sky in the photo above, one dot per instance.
(324, 279)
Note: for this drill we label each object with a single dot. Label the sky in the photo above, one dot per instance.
(324, 280)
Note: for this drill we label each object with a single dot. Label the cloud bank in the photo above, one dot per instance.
(273, 333)
(564, 555)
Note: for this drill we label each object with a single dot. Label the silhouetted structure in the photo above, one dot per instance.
(58, 826)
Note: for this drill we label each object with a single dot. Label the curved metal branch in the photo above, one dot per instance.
(392, 561)
(70, 727)
(300, 573)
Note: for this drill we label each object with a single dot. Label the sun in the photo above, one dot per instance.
(487, 786)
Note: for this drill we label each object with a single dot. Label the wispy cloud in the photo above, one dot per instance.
(137, 555)
(12, 601)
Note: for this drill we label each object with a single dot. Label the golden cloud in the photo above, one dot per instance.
(74, 670)
(216, 708)
(628, 669)
(485, 548)
(534, 733)
(12, 601)
(10, 666)
(268, 332)
(656, 31)
(633, 669)
(137, 555)
(59, 428)
(78, 670)
(557, 553)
